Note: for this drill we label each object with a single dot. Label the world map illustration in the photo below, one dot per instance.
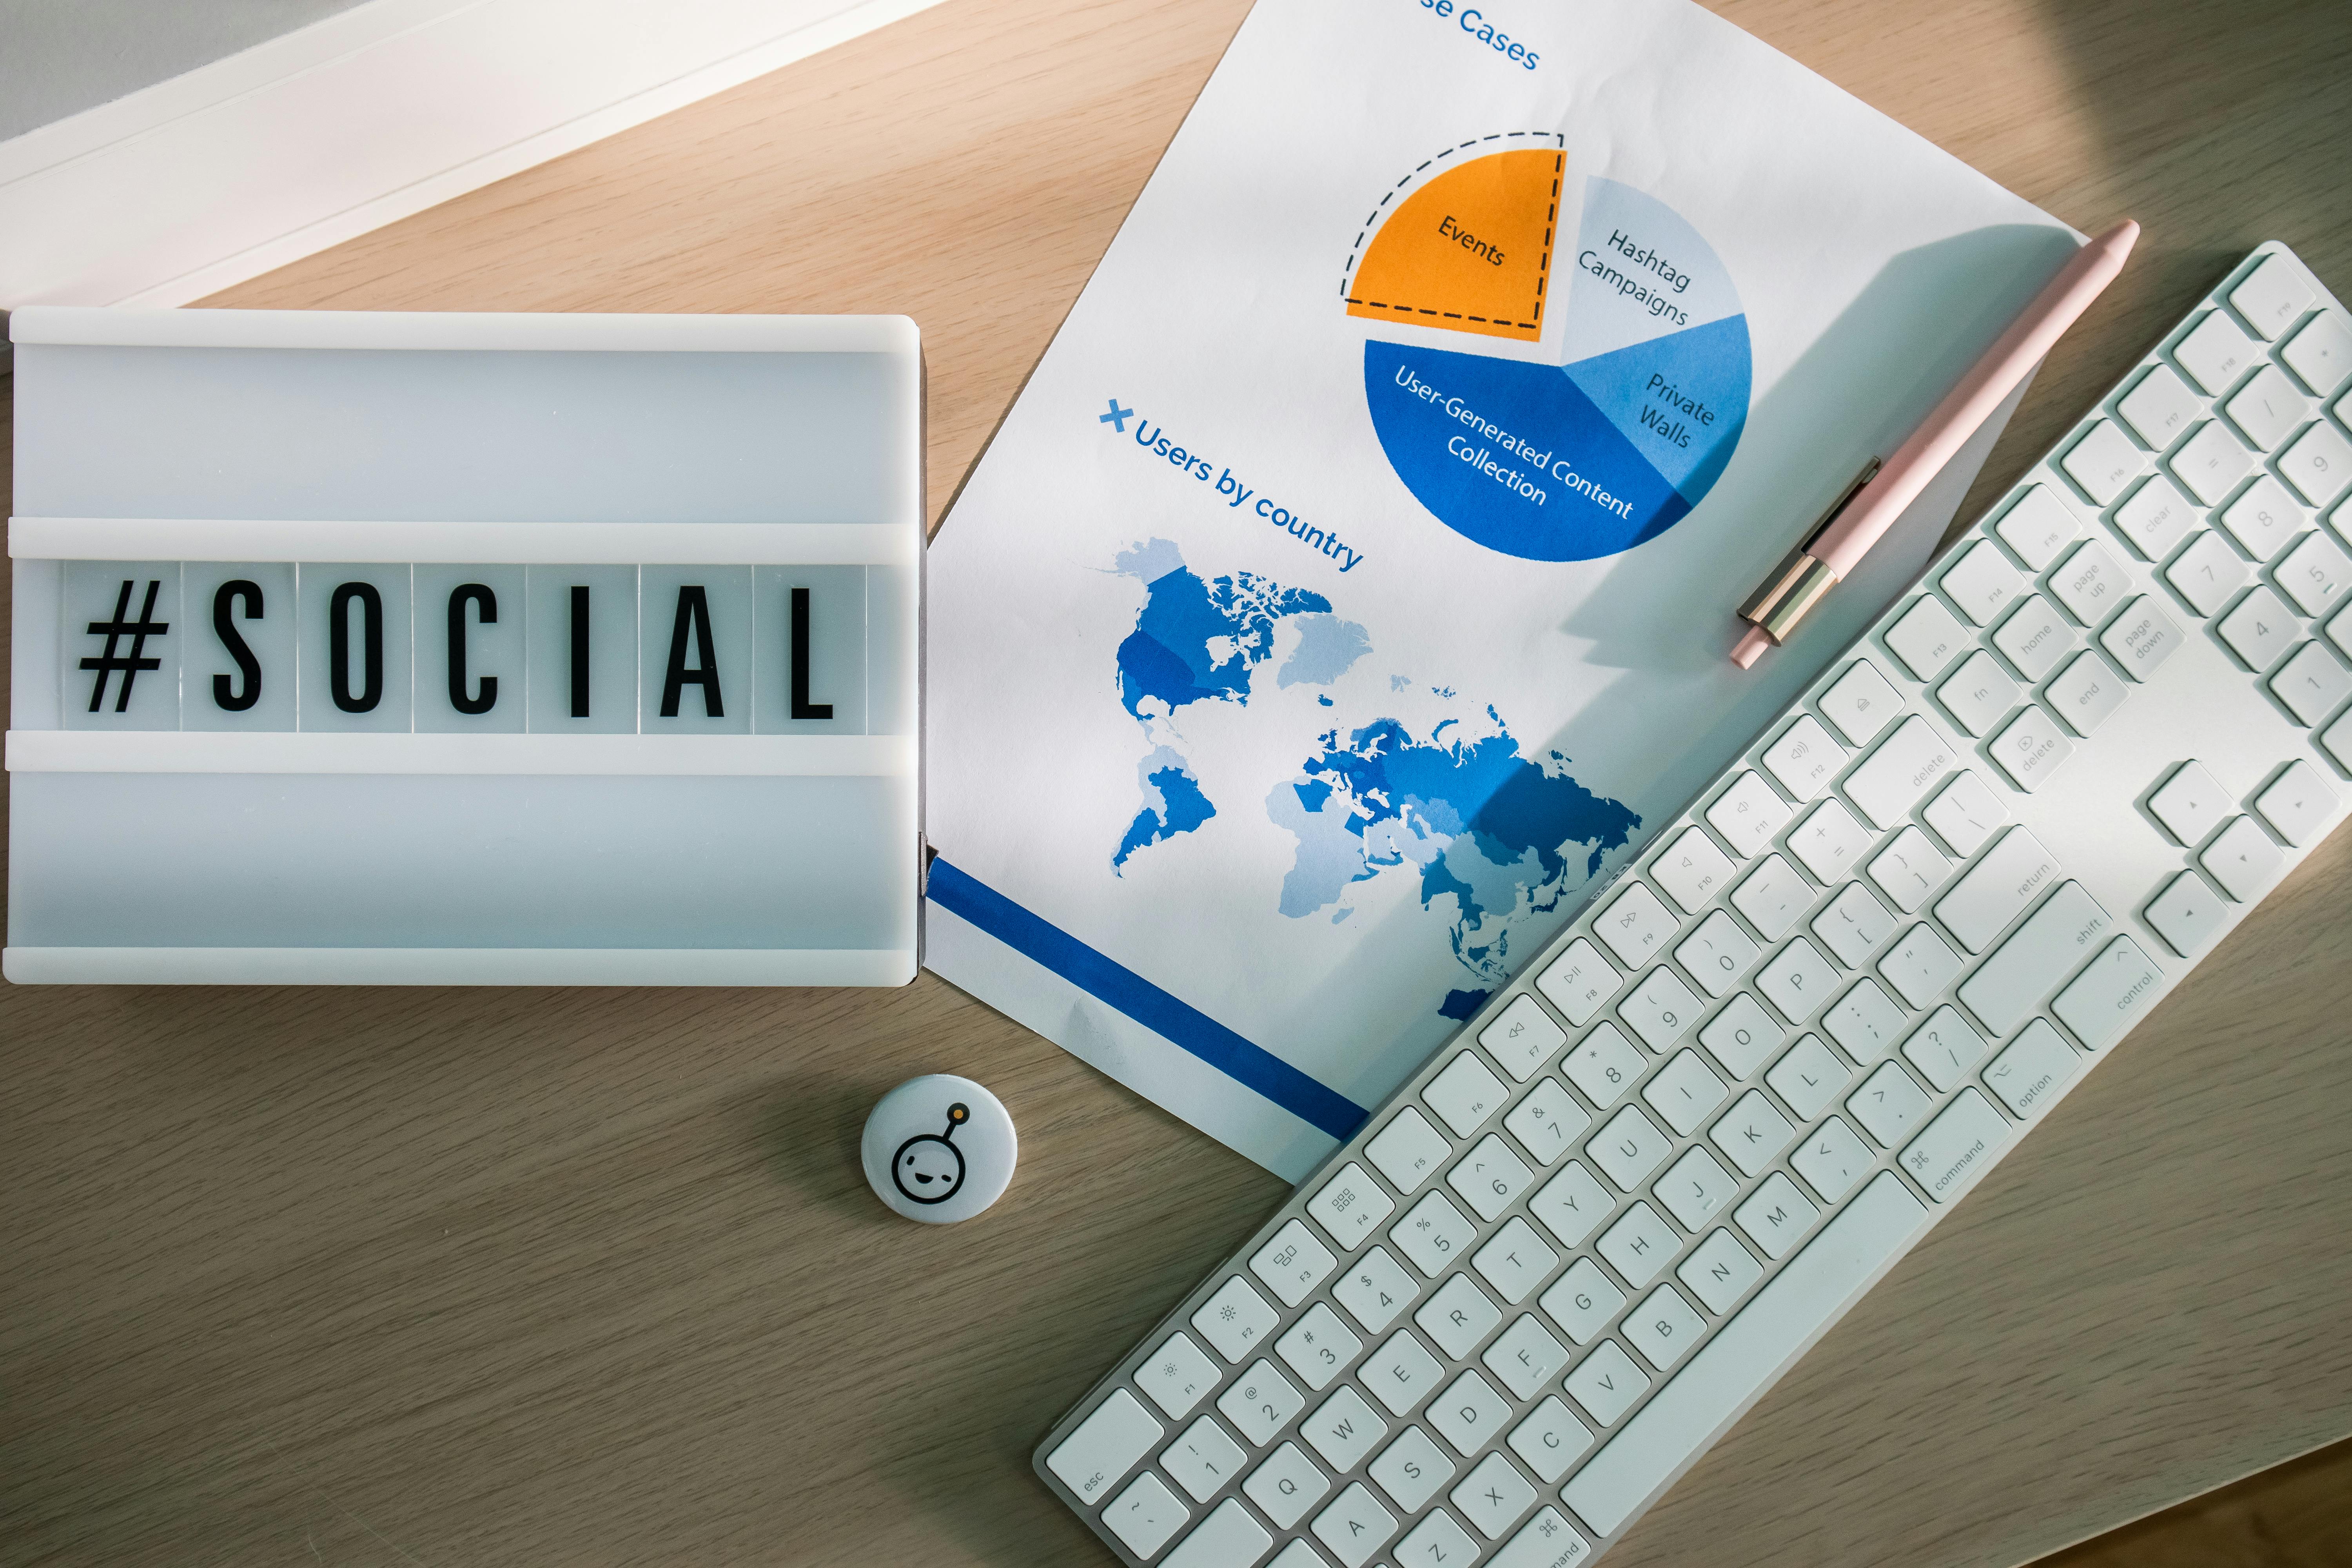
(1502, 836)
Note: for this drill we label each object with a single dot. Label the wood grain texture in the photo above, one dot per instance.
(386, 1277)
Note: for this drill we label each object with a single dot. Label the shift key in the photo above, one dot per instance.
(1997, 889)
(2053, 944)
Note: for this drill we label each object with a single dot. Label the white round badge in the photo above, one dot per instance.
(939, 1148)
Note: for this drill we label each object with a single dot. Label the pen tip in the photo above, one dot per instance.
(1750, 648)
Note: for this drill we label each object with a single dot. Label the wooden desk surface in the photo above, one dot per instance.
(386, 1277)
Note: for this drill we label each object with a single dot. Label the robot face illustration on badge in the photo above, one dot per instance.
(938, 1149)
(929, 1168)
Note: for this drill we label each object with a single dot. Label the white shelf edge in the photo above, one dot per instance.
(544, 331)
(314, 751)
(217, 175)
(456, 966)
(470, 544)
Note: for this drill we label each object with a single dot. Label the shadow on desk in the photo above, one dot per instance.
(2298, 1515)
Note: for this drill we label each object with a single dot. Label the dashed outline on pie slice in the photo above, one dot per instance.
(1470, 249)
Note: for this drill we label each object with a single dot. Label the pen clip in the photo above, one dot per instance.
(1799, 582)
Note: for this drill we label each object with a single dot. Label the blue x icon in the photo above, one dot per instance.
(1117, 418)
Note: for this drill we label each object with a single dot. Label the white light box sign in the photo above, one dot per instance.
(496, 649)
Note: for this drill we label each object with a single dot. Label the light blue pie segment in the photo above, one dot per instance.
(1681, 400)
(1639, 271)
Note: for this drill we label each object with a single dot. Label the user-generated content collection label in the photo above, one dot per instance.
(278, 645)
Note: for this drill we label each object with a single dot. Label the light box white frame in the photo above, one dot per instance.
(887, 531)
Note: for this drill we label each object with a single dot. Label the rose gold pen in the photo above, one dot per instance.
(1860, 517)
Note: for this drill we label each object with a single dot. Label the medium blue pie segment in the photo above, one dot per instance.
(1548, 463)
(1513, 456)
(1681, 399)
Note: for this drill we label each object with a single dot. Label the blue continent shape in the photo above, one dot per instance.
(1169, 661)
(1459, 1006)
(1168, 655)
(1178, 806)
(1483, 822)
(1328, 648)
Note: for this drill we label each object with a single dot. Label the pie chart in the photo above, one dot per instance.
(1638, 391)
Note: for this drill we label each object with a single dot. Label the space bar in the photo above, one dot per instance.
(1746, 1356)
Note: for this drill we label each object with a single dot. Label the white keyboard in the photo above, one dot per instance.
(1597, 1225)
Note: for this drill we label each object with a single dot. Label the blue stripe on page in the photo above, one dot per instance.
(1252, 1066)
